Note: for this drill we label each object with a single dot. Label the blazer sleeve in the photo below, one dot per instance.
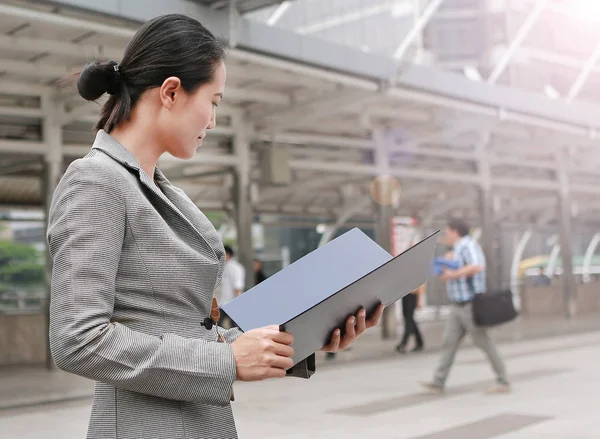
(86, 229)
(304, 369)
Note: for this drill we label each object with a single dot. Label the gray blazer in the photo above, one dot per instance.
(134, 270)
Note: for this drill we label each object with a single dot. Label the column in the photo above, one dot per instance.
(486, 209)
(242, 201)
(566, 245)
(385, 195)
(488, 232)
(53, 167)
(383, 235)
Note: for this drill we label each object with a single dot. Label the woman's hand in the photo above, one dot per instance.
(263, 353)
(354, 327)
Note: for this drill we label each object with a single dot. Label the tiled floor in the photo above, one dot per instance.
(555, 380)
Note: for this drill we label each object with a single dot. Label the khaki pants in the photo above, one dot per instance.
(460, 321)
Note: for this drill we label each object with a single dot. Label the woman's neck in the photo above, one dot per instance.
(140, 139)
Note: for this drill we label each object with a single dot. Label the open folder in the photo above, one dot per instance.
(316, 294)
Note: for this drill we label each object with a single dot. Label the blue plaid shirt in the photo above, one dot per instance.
(467, 252)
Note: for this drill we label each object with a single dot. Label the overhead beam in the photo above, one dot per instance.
(417, 28)
(275, 193)
(349, 142)
(522, 33)
(584, 75)
(516, 162)
(494, 108)
(80, 113)
(527, 205)
(15, 168)
(298, 68)
(23, 88)
(516, 183)
(373, 171)
(314, 139)
(302, 112)
(278, 13)
(430, 175)
(34, 69)
(353, 16)
(551, 58)
(22, 147)
(252, 94)
(437, 207)
(33, 15)
(35, 113)
(63, 48)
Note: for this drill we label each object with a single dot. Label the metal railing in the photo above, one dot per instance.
(22, 302)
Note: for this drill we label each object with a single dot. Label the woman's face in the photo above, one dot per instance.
(187, 117)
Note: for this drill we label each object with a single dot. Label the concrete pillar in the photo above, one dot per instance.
(53, 167)
(383, 235)
(566, 237)
(385, 193)
(488, 232)
(486, 208)
(242, 201)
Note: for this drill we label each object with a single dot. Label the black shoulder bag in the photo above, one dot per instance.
(493, 307)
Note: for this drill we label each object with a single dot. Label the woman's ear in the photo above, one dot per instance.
(170, 91)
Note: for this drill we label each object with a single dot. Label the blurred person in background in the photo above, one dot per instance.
(462, 286)
(259, 274)
(135, 262)
(232, 283)
(410, 303)
(540, 279)
(234, 277)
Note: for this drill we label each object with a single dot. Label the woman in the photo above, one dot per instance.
(135, 263)
(410, 302)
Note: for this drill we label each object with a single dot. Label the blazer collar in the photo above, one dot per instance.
(107, 144)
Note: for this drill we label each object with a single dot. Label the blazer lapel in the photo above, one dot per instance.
(189, 209)
(107, 144)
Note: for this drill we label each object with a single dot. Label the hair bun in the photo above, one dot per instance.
(96, 79)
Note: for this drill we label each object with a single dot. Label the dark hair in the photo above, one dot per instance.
(169, 45)
(459, 226)
(229, 251)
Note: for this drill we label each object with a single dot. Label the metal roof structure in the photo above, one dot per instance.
(242, 5)
(344, 116)
(557, 40)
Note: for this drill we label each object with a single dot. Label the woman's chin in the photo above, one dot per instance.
(185, 155)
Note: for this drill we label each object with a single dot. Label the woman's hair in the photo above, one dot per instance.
(170, 45)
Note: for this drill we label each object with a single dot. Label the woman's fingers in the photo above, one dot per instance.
(361, 323)
(374, 319)
(334, 343)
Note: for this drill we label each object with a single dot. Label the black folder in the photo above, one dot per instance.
(316, 294)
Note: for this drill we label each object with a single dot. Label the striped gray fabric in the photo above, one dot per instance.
(134, 271)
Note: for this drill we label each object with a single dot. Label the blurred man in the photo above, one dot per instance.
(462, 285)
(232, 284)
(541, 280)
